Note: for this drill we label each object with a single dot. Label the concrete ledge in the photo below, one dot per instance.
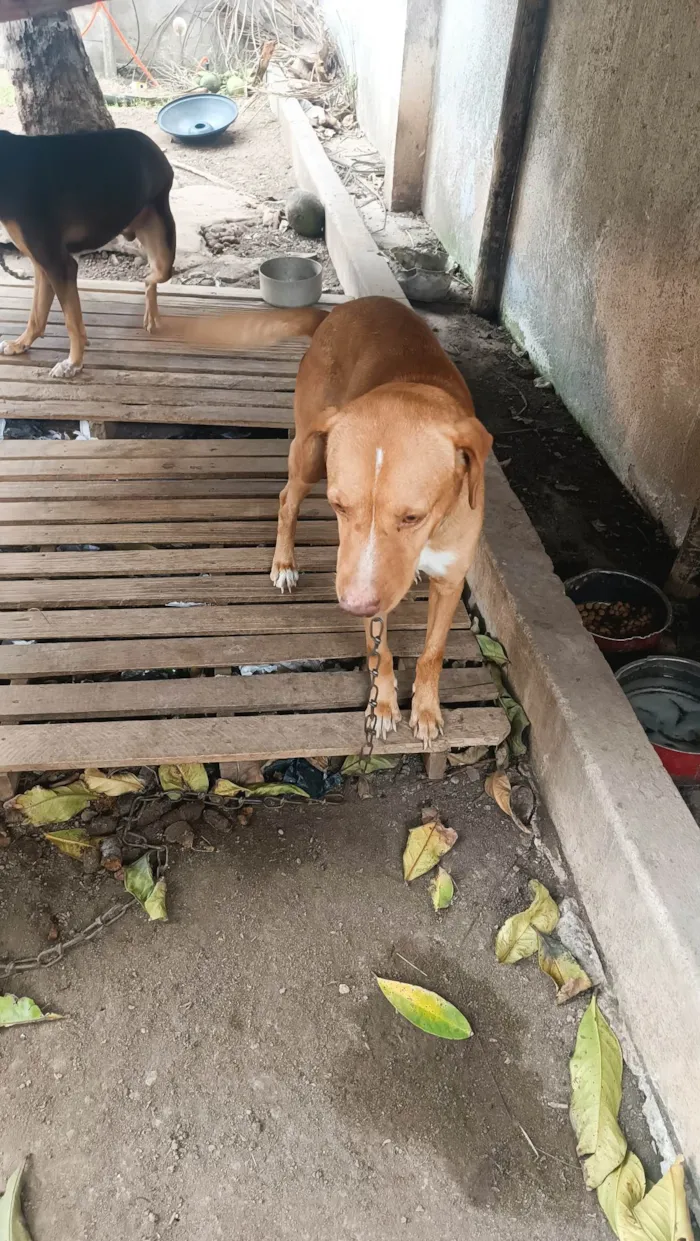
(633, 847)
(361, 267)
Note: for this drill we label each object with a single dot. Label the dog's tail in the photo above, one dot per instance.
(242, 329)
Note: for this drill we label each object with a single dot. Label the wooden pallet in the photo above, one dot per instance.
(131, 377)
(192, 523)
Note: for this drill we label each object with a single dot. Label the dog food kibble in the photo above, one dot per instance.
(617, 620)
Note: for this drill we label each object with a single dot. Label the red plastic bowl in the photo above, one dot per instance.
(667, 673)
(611, 586)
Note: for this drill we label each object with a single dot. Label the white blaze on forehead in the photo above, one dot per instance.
(435, 563)
(364, 574)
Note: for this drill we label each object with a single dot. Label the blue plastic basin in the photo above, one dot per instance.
(197, 118)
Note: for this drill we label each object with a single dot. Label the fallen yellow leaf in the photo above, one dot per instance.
(12, 1225)
(517, 938)
(21, 1011)
(621, 1190)
(562, 967)
(426, 845)
(178, 778)
(662, 1214)
(73, 841)
(139, 881)
(112, 786)
(42, 807)
(442, 889)
(426, 1010)
(596, 1092)
(497, 786)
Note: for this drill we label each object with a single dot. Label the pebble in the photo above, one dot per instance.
(344, 989)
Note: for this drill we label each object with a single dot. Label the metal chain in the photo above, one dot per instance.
(376, 630)
(50, 956)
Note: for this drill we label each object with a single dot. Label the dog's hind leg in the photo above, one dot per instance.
(41, 305)
(155, 229)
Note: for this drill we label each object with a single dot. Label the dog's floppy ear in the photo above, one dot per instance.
(472, 439)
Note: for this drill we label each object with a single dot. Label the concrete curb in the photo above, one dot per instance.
(631, 843)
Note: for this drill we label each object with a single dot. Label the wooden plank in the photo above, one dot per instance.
(311, 691)
(526, 43)
(74, 511)
(45, 450)
(147, 489)
(125, 343)
(235, 533)
(216, 619)
(86, 592)
(111, 411)
(52, 659)
(114, 291)
(225, 364)
(278, 379)
(162, 560)
(16, 393)
(144, 467)
(60, 747)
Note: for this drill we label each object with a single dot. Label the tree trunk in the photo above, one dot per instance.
(56, 90)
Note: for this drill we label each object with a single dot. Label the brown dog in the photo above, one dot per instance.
(385, 416)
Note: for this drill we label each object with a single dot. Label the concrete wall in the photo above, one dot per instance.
(603, 282)
(469, 75)
(370, 35)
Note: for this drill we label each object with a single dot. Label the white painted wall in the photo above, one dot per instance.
(370, 35)
(469, 76)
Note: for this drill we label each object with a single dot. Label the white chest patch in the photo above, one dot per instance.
(435, 563)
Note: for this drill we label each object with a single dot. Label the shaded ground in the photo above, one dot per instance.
(213, 1081)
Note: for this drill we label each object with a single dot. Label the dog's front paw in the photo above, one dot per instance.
(65, 369)
(150, 322)
(10, 347)
(386, 716)
(284, 577)
(426, 719)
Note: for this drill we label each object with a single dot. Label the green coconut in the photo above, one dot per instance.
(210, 82)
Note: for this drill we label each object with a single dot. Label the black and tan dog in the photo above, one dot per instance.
(66, 193)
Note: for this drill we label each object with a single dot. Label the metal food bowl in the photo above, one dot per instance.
(291, 280)
(197, 118)
(664, 692)
(611, 586)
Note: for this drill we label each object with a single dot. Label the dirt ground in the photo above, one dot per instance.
(216, 1079)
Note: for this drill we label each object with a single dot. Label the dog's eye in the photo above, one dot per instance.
(411, 519)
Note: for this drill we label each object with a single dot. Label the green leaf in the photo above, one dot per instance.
(517, 937)
(22, 1012)
(563, 968)
(226, 788)
(491, 650)
(176, 778)
(663, 1214)
(139, 881)
(426, 1010)
(621, 1190)
(155, 904)
(596, 1091)
(426, 845)
(41, 806)
(112, 786)
(12, 1225)
(354, 765)
(442, 889)
(73, 841)
(518, 723)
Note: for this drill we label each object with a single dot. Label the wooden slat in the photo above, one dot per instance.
(14, 392)
(145, 467)
(126, 450)
(275, 380)
(237, 533)
(110, 411)
(115, 291)
(97, 359)
(147, 489)
(55, 747)
(291, 618)
(74, 511)
(315, 691)
(121, 344)
(148, 563)
(52, 659)
(86, 592)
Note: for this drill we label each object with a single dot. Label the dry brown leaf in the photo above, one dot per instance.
(498, 786)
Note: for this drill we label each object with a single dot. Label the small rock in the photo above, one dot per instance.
(343, 989)
(114, 260)
(305, 213)
(271, 217)
(4, 840)
(180, 833)
(151, 1077)
(103, 825)
(348, 122)
(217, 821)
(91, 862)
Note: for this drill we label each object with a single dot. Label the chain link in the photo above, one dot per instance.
(376, 630)
(54, 954)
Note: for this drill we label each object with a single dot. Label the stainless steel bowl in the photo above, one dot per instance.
(291, 281)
